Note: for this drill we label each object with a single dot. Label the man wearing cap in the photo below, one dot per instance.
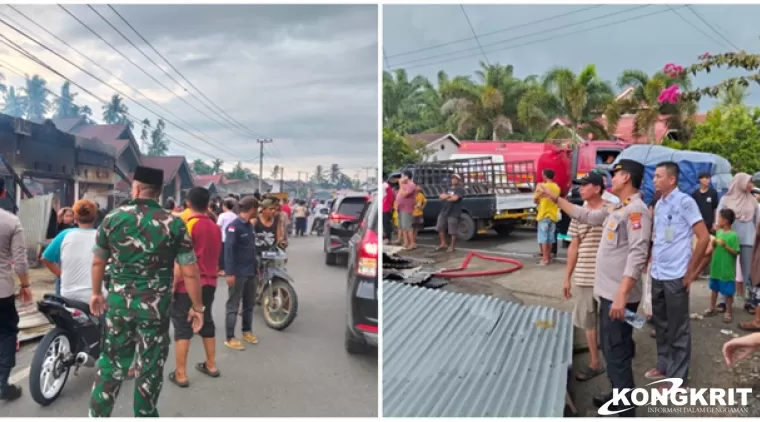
(622, 257)
(451, 210)
(143, 241)
(581, 270)
(677, 220)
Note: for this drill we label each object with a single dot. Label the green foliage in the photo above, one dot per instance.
(201, 168)
(733, 133)
(397, 151)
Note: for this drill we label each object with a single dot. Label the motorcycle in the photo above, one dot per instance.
(275, 290)
(73, 343)
(319, 221)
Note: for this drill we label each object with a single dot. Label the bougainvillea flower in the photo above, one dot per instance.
(704, 56)
(669, 95)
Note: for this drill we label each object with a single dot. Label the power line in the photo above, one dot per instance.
(467, 18)
(385, 59)
(712, 27)
(487, 34)
(675, 12)
(626, 20)
(31, 56)
(543, 31)
(224, 114)
(93, 62)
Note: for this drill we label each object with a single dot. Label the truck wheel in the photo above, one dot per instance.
(467, 228)
(504, 230)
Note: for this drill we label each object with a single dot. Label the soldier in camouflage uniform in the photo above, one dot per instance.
(143, 241)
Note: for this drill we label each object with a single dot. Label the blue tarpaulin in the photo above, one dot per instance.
(691, 164)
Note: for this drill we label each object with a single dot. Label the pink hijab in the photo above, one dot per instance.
(737, 198)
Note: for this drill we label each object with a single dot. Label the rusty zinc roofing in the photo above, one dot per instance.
(456, 355)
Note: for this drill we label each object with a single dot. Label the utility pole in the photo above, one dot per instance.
(282, 180)
(261, 159)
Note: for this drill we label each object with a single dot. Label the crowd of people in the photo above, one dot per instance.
(626, 252)
(142, 267)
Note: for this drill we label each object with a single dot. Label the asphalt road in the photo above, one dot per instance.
(302, 371)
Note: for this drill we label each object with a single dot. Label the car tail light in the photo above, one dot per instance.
(367, 328)
(366, 261)
(337, 218)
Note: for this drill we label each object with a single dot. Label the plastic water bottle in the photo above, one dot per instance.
(634, 319)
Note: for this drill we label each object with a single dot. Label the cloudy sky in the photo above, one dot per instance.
(305, 76)
(614, 38)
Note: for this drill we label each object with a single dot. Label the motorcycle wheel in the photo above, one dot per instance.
(48, 374)
(280, 304)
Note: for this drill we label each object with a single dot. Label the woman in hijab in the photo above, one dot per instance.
(740, 200)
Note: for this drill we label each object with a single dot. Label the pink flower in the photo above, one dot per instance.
(669, 95)
(704, 56)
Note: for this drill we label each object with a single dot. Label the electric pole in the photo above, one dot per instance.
(261, 159)
(282, 180)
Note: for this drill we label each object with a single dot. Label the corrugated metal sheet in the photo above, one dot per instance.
(455, 355)
(35, 216)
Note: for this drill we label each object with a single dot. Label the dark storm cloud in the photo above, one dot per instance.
(636, 41)
(303, 75)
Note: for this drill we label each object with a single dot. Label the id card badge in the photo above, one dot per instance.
(669, 234)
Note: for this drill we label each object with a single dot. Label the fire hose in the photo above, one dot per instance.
(460, 272)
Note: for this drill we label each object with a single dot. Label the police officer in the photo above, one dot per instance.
(143, 242)
(621, 260)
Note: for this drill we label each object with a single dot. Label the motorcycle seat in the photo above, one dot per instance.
(71, 303)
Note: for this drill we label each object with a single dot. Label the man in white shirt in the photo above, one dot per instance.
(69, 255)
(223, 221)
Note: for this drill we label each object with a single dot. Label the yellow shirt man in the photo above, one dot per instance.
(547, 208)
(185, 215)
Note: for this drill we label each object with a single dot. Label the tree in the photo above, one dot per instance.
(216, 166)
(3, 87)
(116, 112)
(144, 133)
(320, 176)
(396, 151)
(238, 172)
(733, 133)
(64, 104)
(276, 171)
(335, 173)
(733, 95)
(401, 100)
(86, 113)
(159, 145)
(14, 104)
(36, 103)
(201, 168)
(483, 114)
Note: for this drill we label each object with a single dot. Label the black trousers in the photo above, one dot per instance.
(8, 338)
(618, 349)
(387, 225)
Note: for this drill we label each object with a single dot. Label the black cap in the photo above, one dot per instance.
(634, 168)
(592, 178)
(149, 176)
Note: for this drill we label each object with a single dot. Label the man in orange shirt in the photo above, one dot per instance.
(207, 242)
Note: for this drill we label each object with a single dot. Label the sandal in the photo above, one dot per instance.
(588, 373)
(201, 367)
(721, 308)
(441, 248)
(727, 318)
(709, 313)
(749, 326)
(173, 379)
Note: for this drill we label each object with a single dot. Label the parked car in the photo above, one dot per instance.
(339, 227)
(362, 327)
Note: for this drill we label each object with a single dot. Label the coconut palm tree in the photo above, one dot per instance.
(116, 112)
(159, 145)
(482, 113)
(644, 105)
(86, 113)
(36, 103)
(216, 166)
(275, 172)
(335, 173)
(402, 100)
(64, 104)
(320, 175)
(734, 95)
(144, 133)
(14, 103)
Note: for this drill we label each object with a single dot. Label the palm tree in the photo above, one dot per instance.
(275, 172)
(86, 113)
(144, 133)
(335, 173)
(483, 113)
(36, 103)
(579, 98)
(159, 145)
(734, 95)
(116, 112)
(320, 175)
(216, 166)
(401, 100)
(14, 104)
(64, 104)
(644, 105)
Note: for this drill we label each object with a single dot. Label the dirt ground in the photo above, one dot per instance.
(536, 285)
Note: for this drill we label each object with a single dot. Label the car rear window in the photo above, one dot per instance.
(372, 217)
(352, 207)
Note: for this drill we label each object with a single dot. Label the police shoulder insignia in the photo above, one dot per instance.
(635, 218)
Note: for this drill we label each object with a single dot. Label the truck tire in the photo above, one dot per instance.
(504, 230)
(467, 228)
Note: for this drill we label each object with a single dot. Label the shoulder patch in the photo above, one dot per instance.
(230, 229)
(635, 218)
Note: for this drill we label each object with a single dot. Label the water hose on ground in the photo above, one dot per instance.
(460, 272)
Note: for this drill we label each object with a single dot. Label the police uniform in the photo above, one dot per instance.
(143, 241)
(623, 252)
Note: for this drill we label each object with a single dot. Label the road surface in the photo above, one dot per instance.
(303, 371)
(521, 242)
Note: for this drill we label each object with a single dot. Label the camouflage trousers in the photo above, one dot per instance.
(137, 322)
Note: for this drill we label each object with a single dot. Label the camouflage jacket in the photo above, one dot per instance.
(143, 241)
